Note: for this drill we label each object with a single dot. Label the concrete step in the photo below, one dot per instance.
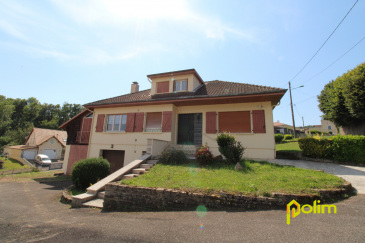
(95, 203)
(139, 171)
(152, 161)
(101, 194)
(146, 166)
(129, 176)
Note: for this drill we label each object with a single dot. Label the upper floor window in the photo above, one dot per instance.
(116, 123)
(181, 85)
(329, 128)
(163, 87)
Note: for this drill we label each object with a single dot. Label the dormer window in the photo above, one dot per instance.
(181, 85)
(163, 87)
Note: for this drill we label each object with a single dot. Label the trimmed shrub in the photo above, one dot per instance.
(89, 171)
(316, 148)
(279, 137)
(288, 136)
(349, 148)
(203, 155)
(173, 155)
(230, 148)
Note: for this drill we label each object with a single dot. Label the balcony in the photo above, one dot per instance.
(83, 137)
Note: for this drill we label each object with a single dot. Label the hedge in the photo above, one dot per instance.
(349, 148)
(278, 138)
(288, 136)
(341, 148)
(316, 148)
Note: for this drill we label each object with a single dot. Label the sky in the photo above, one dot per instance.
(82, 51)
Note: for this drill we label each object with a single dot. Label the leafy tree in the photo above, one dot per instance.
(342, 101)
(6, 110)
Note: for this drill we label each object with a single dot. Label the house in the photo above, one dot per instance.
(180, 108)
(40, 141)
(284, 128)
(326, 126)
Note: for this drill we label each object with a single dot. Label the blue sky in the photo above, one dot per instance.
(85, 50)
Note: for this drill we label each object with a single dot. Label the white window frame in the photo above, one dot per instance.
(180, 85)
(113, 124)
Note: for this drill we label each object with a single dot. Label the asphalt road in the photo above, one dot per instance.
(31, 212)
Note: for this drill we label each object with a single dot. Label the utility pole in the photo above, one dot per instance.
(303, 122)
(292, 113)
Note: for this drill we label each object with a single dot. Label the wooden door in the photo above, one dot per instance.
(115, 158)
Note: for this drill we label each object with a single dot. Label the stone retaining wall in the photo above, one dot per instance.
(123, 197)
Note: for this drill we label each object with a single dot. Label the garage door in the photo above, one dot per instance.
(115, 158)
(29, 154)
(51, 153)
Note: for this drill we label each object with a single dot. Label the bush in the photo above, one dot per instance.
(316, 147)
(279, 137)
(288, 137)
(349, 148)
(173, 155)
(230, 148)
(89, 171)
(203, 155)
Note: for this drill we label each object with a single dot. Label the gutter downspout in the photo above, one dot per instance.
(92, 123)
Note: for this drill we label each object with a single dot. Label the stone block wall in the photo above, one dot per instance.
(123, 197)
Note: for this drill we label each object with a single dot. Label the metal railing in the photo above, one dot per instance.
(152, 130)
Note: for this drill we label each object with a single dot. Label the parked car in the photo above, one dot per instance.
(42, 159)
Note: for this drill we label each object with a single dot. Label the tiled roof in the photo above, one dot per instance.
(42, 135)
(208, 89)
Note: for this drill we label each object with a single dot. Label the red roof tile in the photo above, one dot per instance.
(208, 89)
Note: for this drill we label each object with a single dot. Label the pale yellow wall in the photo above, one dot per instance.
(257, 145)
(67, 154)
(196, 82)
(133, 143)
(46, 145)
(324, 127)
(31, 140)
(189, 77)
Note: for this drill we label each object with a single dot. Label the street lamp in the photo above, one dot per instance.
(291, 105)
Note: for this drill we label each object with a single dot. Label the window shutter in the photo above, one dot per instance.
(211, 122)
(163, 87)
(167, 121)
(235, 122)
(138, 124)
(130, 122)
(100, 123)
(174, 87)
(258, 119)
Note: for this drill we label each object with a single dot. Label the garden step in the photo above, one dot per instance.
(147, 166)
(130, 176)
(152, 161)
(101, 194)
(139, 171)
(95, 203)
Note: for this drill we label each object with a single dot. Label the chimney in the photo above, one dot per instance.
(135, 87)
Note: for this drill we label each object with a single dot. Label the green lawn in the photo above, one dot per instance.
(258, 178)
(288, 147)
(34, 176)
(10, 164)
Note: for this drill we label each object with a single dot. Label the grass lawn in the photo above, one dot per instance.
(10, 164)
(34, 176)
(258, 178)
(288, 147)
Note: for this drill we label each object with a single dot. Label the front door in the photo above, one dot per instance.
(189, 130)
(115, 158)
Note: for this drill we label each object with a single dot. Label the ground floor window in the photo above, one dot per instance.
(235, 121)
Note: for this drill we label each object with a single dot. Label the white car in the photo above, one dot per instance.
(42, 159)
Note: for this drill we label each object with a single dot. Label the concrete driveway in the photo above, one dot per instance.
(31, 212)
(353, 174)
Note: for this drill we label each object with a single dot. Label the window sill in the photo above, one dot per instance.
(116, 132)
(239, 133)
(151, 132)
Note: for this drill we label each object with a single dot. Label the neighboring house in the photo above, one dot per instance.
(40, 141)
(326, 126)
(284, 128)
(180, 108)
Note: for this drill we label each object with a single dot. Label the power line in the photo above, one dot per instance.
(333, 62)
(325, 41)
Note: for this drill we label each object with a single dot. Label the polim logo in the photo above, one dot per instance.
(317, 209)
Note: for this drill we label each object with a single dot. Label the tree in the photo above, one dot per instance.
(6, 110)
(342, 100)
